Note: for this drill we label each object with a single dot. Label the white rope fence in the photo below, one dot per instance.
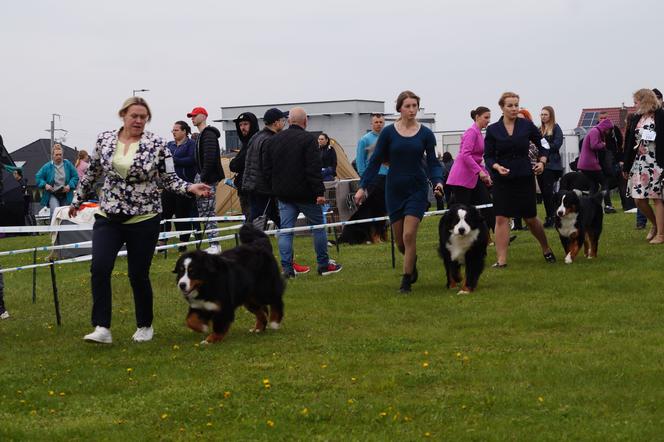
(198, 241)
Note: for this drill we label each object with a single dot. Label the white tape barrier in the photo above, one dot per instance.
(228, 237)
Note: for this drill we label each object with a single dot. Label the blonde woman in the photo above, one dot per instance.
(644, 160)
(553, 170)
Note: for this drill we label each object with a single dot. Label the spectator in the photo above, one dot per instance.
(644, 160)
(246, 125)
(28, 216)
(611, 159)
(58, 178)
(208, 167)
(134, 164)
(588, 157)
(328, 158)
(376, 189)
(468, 180)
(183, 150)
(552, 140)
(506, 155)
(406, 144)
(82, 163)
(292, 160)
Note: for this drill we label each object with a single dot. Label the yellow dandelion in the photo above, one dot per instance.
(407, 418)
(426, 353)
(305, 411)
(51, 411)
(353, 379)
(323, 366)
(427, 434)
(33, 412)
(227, 394)
(458, 355)
(62, 393)
(51, 393)
(351, 401)
(176, 347)
(19, 392)
(209, 424)
(541, 399)
(425, 364)
(382, 414)
(466, 359)
(22, 401)
(270, 423)
(164, 416)
(266, 381)
(181, 429)
(130, 370)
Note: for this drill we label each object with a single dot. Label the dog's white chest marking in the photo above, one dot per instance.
(567, 225)
(458, 245)
(204, 305)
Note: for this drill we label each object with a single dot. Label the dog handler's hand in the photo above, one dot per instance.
(199, 189)
(73, 210)
(360, 196)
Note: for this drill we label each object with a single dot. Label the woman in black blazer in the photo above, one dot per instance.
(506, 156)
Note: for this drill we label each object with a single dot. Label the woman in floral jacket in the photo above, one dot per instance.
(134, 164)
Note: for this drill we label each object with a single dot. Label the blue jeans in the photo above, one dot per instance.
(53, 203)
(288, 213)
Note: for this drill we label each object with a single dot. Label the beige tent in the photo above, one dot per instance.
(227, 200)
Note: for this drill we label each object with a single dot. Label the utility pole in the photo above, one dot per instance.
(52, 130)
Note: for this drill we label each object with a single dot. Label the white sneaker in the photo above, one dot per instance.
(631, 210)
(143, 334)
(4, 315)
(101, 335)
(213, 250)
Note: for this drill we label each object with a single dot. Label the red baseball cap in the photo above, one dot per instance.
(196, 111)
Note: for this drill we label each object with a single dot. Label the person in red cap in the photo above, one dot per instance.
(210, 172)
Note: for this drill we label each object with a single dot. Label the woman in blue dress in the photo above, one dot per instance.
(404, 145)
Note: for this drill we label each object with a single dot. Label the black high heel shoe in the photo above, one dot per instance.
(406, 281)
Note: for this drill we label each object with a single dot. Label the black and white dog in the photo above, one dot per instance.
(214, 286)
(579, 220)
(463, 239)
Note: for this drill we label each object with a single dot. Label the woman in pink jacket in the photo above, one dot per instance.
(468, 178)
(588, 160)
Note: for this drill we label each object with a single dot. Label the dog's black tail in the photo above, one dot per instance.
(251, 235)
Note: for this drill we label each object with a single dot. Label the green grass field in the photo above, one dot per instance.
(539, 352)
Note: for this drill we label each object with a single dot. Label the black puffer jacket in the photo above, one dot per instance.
(237, 164)
(208, 156)
(630, 140)
(255, 178)
(292, 160)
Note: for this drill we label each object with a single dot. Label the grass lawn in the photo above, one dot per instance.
(539, 352)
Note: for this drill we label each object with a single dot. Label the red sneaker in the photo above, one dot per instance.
(300, 269)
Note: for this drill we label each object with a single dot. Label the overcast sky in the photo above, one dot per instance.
(81, 59)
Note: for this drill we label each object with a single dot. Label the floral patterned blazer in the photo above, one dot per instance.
(140, 192)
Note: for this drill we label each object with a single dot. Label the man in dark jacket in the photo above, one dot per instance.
(246, 125)
(208, 164)
(611, 160)
(293, 162)
(254, 181)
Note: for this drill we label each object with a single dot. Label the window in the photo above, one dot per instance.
(589, 119)
(232, 141)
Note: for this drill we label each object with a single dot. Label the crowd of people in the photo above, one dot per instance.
(280, 172)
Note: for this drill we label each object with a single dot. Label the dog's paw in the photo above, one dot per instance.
(568, 259)
(275, 325)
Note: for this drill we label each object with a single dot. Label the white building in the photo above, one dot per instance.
(344, 120)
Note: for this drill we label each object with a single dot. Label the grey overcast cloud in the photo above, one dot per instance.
(81, 59)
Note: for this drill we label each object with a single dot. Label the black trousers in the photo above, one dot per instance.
(474, 197)
(180, 206)
(108, 237)
(259, 204)
(547, 181)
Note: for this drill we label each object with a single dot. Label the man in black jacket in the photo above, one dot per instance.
(611, 160)
(293, 162)
(210, 172)
(246, 125)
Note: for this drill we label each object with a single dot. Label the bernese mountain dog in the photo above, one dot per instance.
(579, 221)
(463, 238)
(216, 285)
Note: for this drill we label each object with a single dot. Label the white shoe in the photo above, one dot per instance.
(101, 335)
(4, 315)
(631, 210)
(213, 250)
(143, 334)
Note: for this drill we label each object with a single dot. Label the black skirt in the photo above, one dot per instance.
(515, 197)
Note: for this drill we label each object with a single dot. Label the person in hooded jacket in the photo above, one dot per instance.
(208, 168)
(588, 157)
(328, 157)
(246, 125)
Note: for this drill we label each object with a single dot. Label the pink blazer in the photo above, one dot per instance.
(468, 163)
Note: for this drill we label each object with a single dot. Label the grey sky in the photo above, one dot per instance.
(81, 59)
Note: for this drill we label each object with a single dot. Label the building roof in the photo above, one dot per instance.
(590, 115)
(36, 154)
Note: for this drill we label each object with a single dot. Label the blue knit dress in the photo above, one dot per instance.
(412, 164)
